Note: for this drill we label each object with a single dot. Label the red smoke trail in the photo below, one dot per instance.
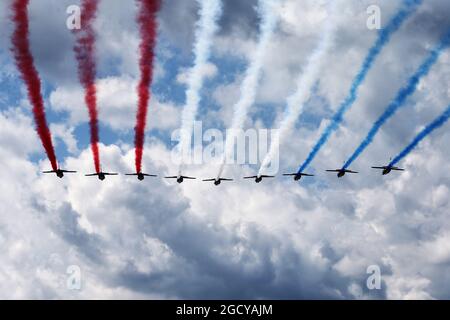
(25, 64)
(148, 29)
(85, 55)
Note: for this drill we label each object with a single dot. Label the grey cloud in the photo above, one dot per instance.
(178, 20)
(67, 225)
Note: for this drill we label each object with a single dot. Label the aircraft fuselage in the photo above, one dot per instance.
(180, 180)
(140, 177)
(59, 174)
(217, 182)
(258, 179)
(386, 171)
(341, 174)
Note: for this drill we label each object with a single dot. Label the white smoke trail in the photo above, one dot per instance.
(269, 19)
(295, 102)
(206, 27)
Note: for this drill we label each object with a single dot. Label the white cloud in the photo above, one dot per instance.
(187, 240)
(117, 100)
(66, 135)
(209, 71)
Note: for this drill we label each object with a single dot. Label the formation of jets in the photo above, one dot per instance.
(217, 181)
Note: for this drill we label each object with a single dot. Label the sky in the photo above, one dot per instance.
(279, 239)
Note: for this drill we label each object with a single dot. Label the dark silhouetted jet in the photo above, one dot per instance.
(59, 173)
(388, 169)
(259, 178)
(101, 175)
(342, 172)
(141, 176)
(298, 175)
(217, 181)
(180, 178)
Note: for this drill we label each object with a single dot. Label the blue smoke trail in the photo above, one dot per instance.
(401, 97)
(437, 123)
(408, 7)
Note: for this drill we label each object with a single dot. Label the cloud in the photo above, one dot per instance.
(66, 135)
(117, 100)
(17, 134)
(209, 71)
(229, 246)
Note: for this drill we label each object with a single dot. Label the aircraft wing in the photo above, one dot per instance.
(68, 171)
(337, 170)
(209, 180)
(149, 175)
(171, 177)
(223, 179)
(110, 174)
(307, 175)
(289, 174)
(263, 176)
(382, 168)
(49, 171)
(91, 175)
(252, 177)
(398, 169)
(131, 174)
(191, 178)
(350, 171)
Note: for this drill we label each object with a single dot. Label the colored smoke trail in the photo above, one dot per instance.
(210, 11)
(269, 19)
(25, 63)
(85, 55)
(401, 97)
(148, 31)
(437, 123)
(305, 81)
(408, 8)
